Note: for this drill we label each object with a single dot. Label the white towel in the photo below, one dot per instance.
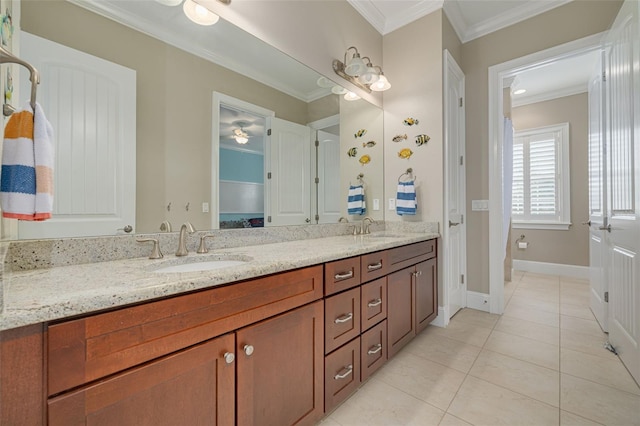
(356, 203)
(406, 201)
(26, 186)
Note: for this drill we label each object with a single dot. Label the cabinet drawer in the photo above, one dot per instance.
(341, 319)
(87, 349)
(373, 344)
(342, 374)
(373, 265)
(341, 275)
(374, 302)
(401, 257)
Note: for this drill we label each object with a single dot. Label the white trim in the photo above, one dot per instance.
(323, 123)
(519, 101)
(219, 99)
(496, 74)
(479, 301)
(386, 24)
(558, 226)
(442, 319)
(573, 271)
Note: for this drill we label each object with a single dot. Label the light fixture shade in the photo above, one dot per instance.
(338, 90)
(198, 13)
(355, 66)
(381, 85)
(241, 139)
(350, 96)
(370, 76)
(170, 2)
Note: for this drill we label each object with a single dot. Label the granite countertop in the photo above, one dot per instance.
(41, 295)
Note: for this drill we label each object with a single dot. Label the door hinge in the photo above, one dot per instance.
(461, 160)
(604, 76)
(460, 102)
(268, 175)
(317, 218)
(269, 132)
(317, 143)
(606, 296)
(269, 219)
(461, 219)
(462, 279)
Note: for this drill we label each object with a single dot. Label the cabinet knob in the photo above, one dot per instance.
(248, 349)
(229, 357)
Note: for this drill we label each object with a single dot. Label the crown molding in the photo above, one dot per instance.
(548, 96)
(384, 25)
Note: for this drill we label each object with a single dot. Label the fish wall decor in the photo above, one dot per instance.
(399, 138)
(360, 133)
(410, 121)
(369, 144)
(405, 153)
(365, 159)
(422, 139)
(352, 152)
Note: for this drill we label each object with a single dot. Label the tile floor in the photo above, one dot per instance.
(541, 363)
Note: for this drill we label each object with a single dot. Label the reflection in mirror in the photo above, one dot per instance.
(177, 69)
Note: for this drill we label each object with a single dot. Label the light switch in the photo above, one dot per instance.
(205, 207)
(392, 203)
(376, 204)
(479, 205)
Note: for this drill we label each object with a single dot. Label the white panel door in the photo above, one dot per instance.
(91, 104)
(455, 228)
(598, 253)
(288, 174)
(623, 115)
(329, 177)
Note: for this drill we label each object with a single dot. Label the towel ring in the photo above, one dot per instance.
(7, 58)
(408, 173)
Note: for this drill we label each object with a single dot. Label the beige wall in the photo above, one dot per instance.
(569, 247)
(572, 21)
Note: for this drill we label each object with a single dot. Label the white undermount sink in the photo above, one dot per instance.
(198, 265)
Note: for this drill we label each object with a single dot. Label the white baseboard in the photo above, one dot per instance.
(552, 268)
(439, 321)
(479, 301)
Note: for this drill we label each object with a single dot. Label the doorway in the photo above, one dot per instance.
(497, 75)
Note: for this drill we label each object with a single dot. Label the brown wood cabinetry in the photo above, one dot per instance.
(342, 374)
(195, 386)
(280, 369)
(412, 300)
(342, 318)
(373, 350)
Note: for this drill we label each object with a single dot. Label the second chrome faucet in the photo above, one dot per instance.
(182, 240)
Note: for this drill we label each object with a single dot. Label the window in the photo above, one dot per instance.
(540, 198)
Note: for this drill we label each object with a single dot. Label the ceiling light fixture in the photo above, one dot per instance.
(350, 96)
(519, 91)
(195, 11)
(240, 135)
(363, 75)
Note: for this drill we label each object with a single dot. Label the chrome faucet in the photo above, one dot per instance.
(182, 240)
(364, 229)
(165, 226)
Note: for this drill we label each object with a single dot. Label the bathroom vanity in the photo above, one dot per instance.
(281, 340)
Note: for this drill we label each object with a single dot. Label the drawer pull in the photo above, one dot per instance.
(348, 370)
(344, 318)
(375, 349)
(229, 357)
(248, 349)
(374, 266)
(343, 275)
(374, 303)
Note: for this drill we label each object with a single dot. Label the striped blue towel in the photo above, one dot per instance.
(356, 203)
(406, 202)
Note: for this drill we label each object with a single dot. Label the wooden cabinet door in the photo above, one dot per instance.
(341, 374)
(426, 283)
(280, 369)
(400, 310)
(191, 387)
(341, 319)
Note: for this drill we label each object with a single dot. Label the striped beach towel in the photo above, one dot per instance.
(26, 181)
(356, 204)
(406, 202)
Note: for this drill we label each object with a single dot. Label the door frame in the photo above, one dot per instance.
(220, 99)
(497, 74)
(450, 63)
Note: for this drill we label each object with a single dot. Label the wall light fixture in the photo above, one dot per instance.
(195, 11)
(363, 74)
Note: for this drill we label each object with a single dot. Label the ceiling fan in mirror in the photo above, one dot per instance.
(240, 135)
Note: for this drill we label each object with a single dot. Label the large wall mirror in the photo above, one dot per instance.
(179, 71)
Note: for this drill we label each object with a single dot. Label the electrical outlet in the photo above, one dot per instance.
(205, 207)
(392, 203)
(376, 204)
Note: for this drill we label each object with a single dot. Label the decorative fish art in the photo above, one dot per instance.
(365, 159)
(410, 121)
(422, 139)
(360, 133)
(352, 152)
(369, 144)
(405, 153)
(399, 138)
